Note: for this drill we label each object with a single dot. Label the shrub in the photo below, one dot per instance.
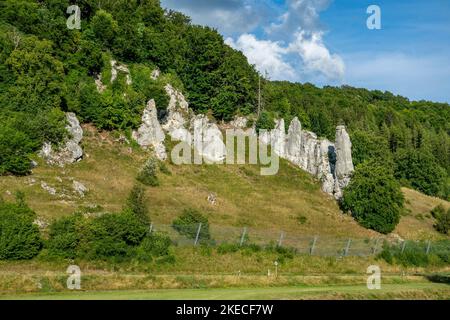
(154, 245)
(15, 147)
(225, 248)
(19, 237)
(374, 198)
(164, 169)
(187, 224)
(442, 219)
(415, 253)
(136, 204)
(112, 236)
(265, 121)
(65, 235)
(147, 175)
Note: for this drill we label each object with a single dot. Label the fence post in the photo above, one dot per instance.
(151, 228)
(313, 246)
(280, 241)
(374, 250)
(428, 247)
(244, 233)
(198, 234)
(347, 248)
(403, 246)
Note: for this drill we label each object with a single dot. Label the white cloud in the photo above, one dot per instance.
(228, 16)
(301, 15)
(294, 48)
(316, 57)
(265, 55)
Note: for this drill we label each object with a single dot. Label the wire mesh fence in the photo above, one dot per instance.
(319, 245)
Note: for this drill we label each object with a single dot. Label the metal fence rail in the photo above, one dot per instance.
(194, 235)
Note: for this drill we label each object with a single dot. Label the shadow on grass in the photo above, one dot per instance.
(439, 278)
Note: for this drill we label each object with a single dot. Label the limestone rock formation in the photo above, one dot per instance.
(70, 151)
(116, 68)
(344, 162)
(239, 123)
(99, 84)
(47, 188)
(155, 74)
(278, 138)
(331, 163)
(294, 141)
(208, 140)
(176, 120)
(79, 188)
(150, 133)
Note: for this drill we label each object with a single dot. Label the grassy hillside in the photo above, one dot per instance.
(290, 201)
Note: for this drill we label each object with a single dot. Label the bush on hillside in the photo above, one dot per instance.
(187, 224)
(20, 239)
(265, 121)
(374, 198)
(65, 235)
(442, 219)
(152, 246)
(148, 174)
(136, 204)
(112, 236)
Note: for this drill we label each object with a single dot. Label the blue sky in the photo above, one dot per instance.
(327, 42)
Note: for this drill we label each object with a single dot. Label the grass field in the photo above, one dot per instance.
(388, 291)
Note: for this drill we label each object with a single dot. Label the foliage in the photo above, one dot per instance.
(112, 236)
(154, 245)
(148, 174)
(19, 238)
(374, 198)
(415, 253)
(136, 204)
(421, 171)
(65, 235)
(187, 224)
(265, 121)
(442, 219)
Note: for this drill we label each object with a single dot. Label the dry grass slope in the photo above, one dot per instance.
(290, 201)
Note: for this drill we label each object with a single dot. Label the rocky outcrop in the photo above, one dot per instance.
(239, 123)
(155, 74)
(278, 138)
(294, 142)
(208, 140)
(177, 115)
(70, 152)
(116, 68)
(79, 188)
(330, 163)
(150, 133)
(99, 84)
(344, 161)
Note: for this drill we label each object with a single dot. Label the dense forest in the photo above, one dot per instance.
(47, 69)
